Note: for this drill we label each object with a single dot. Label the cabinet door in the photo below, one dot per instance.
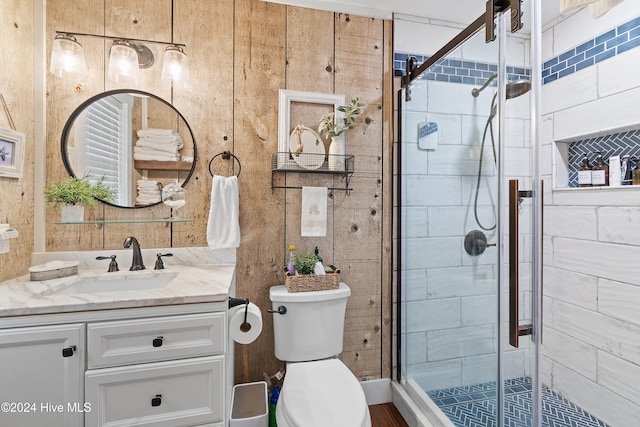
(179, 393)
(41, 385)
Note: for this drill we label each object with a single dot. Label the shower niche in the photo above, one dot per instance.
(569, 154)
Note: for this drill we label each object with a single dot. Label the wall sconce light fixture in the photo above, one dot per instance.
(126, 58)
(67, 57)
(123, 63)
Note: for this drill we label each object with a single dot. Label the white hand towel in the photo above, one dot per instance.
(601, 7)
(314, 211)
(223, 228)
(570, 5)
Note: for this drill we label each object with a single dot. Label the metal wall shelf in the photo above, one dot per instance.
(285, 162)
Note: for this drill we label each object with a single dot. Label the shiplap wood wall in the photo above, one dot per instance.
(241, 52)
(16, 86)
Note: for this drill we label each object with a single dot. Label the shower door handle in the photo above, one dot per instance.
(515, 330)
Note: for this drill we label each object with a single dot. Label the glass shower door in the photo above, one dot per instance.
(465, 134)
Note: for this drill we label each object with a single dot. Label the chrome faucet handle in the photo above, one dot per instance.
(159, 264)
(113, 265)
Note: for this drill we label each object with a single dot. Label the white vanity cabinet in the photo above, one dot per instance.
(167, 371)
(42, 376)
(151, 366)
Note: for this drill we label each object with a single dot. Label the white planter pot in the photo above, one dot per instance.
(72, 213)
(336, 154)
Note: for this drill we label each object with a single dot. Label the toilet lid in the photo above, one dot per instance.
(320, 394)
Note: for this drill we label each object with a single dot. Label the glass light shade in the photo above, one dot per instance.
(175, 65)
(67, 58)
(123, 63)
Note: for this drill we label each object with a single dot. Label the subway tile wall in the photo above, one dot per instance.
(591, 287)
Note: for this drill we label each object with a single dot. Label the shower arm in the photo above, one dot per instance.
(476, 91)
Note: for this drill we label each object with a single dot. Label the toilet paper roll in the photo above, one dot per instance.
(248, 333)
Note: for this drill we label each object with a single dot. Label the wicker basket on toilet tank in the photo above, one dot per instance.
(312, 282)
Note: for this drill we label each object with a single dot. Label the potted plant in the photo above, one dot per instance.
(305, 263)
(330, 128)
(73, 194)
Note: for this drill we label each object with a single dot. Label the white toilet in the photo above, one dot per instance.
(319, 390)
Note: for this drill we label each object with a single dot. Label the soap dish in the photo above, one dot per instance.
(53, 270)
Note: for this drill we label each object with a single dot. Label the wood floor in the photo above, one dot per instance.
(386, 415)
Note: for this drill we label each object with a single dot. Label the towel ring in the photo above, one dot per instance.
(226, 155)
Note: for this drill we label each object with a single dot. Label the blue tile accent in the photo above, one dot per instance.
(458, 71)
(468, 407)
(629, 25)
(604, 46)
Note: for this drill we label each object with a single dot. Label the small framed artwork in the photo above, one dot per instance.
(11, 153)
(285, 127)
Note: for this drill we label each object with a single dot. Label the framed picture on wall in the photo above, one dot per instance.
(11, 153)
(287, 98)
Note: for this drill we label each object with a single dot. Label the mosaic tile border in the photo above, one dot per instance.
(465, 411)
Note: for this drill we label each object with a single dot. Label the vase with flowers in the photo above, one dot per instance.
(333, 127)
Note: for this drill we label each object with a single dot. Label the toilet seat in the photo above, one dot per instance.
(320, 394)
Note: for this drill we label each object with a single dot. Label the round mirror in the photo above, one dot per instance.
(134, 141)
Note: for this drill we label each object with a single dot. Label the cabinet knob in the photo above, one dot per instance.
(156, 401)
(157, 342)
(68, 351)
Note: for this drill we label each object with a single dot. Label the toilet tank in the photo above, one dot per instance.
(312, 327)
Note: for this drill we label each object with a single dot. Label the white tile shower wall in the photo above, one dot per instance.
(450, 311)
(591, 244)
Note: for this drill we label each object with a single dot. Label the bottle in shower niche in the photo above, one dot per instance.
(599, 172)
(627, 170)
(291, 265)
(636, 172)
(584, 173)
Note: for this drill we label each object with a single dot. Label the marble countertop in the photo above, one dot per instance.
(192, 275)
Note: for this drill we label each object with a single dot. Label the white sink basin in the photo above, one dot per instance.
(117, 283)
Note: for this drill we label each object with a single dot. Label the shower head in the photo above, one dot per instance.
(515, 88)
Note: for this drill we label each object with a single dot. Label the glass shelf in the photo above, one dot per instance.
(100, 222)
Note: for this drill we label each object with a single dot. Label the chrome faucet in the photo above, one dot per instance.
(136, 262)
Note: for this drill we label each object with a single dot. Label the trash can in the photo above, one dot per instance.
(249, 405)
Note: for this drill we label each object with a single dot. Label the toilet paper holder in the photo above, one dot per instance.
(234, 302)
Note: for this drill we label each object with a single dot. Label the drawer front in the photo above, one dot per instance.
(129, 342)
(163, 394)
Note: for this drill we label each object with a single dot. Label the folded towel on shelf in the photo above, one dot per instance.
(155, 132)
(170, 147)
(162, 139)
(601, 7)
(149, 191)
(223, 227)
(314, 212)
(158, 157)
